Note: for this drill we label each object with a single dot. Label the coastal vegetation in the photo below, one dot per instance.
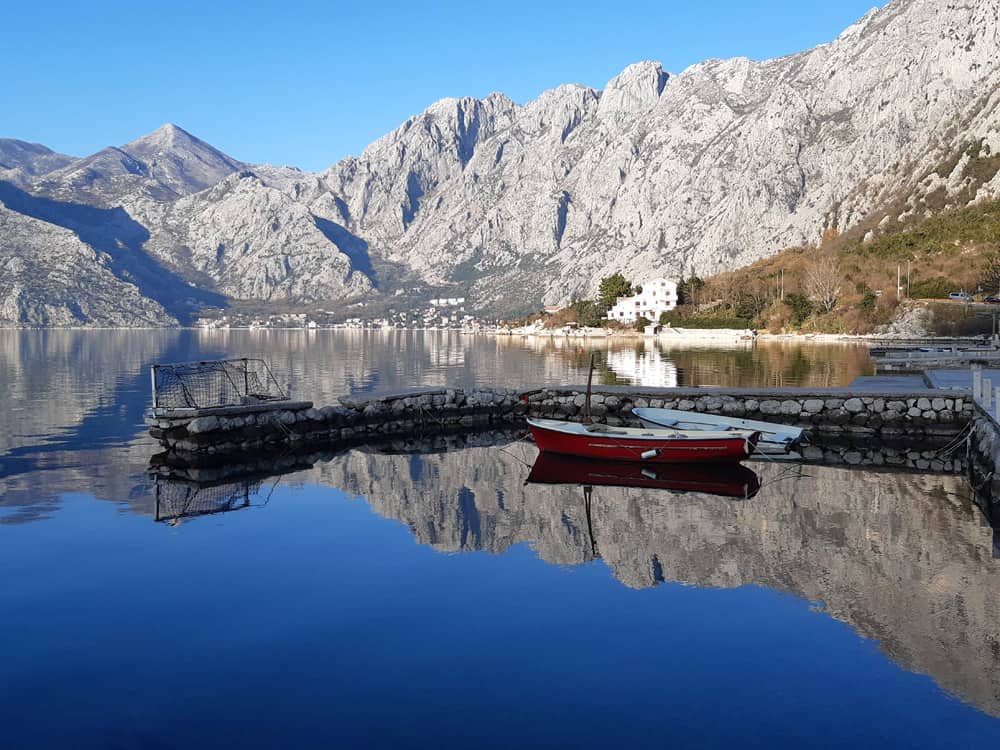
(847, 284)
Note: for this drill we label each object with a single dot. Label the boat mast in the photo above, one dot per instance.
(586, 404)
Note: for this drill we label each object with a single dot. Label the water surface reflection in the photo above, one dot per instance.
(904, 559)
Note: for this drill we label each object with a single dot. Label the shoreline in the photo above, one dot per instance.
(694, 336)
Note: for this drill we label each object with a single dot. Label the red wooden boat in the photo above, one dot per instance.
(729, 480)
(639, 444)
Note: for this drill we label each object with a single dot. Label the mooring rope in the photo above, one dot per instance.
(964, 436)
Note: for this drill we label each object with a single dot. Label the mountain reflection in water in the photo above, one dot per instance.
(327, 617)
(904, 559)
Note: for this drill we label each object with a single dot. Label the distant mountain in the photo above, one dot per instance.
(31, 158)
(166, 164)
(515, 205)
(20, 161)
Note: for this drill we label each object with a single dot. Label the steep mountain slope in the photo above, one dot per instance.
(718, 166)
(49, 277)
(185, 224)
(513, 205)
(252, 242)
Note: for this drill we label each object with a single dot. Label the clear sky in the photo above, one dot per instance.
(307, 83)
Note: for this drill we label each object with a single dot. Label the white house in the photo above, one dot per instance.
(658, 296)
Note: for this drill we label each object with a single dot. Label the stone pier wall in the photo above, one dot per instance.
(985, 450)
(400, 413)
(421, 411)
(822, 410)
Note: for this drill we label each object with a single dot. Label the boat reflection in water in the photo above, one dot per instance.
(724, 480)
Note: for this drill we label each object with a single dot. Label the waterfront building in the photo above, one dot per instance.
(658, 296)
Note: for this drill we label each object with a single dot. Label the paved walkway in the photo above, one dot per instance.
(951, 380)
(886, 383)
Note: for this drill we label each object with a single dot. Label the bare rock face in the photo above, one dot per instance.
(182, 223)
(632, 92)
(516, 205)
(723, 164)
(49, 277)
(385, 189)
(251, 241)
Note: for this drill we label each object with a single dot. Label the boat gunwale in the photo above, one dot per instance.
(578, 429)
(739, 423)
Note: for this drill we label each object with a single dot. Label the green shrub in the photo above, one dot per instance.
(704, 322)
(587, 312)
(801, 306)
(867, 303)
(933, 288)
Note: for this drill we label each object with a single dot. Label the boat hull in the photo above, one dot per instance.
(730, 480)
(570, 439)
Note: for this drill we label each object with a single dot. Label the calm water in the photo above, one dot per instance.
(380, 598)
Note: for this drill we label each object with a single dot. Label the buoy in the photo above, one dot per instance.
(650, 454)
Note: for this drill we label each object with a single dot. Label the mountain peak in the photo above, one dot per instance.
(167, 135)
(636, 89)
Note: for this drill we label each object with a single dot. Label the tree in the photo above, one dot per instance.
(689, 292)
(586, 312)
(641, 323)
(750, 298)
(801, 308)
(829, 235)
(822, 281)
(611, 288)
(867, 304)
(991, 270)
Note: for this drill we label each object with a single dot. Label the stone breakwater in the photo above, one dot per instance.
(242, 429)
(985, 455)
(237, 429)
(822, 410)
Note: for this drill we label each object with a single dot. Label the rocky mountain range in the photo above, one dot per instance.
(517, 205)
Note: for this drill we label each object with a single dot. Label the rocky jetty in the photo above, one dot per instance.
(239, 429)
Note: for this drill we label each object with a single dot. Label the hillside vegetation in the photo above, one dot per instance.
(848, 283)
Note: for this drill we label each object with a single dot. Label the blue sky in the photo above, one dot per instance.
(307, 83)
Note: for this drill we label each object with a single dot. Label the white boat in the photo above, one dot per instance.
(774, 438)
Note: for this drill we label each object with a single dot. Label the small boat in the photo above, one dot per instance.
(643, 445)
(774, 438)
(731, 480)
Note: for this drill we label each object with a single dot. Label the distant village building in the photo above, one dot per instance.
(552, 309)
(658, 296)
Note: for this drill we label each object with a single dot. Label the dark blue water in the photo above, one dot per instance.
(377, 599)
